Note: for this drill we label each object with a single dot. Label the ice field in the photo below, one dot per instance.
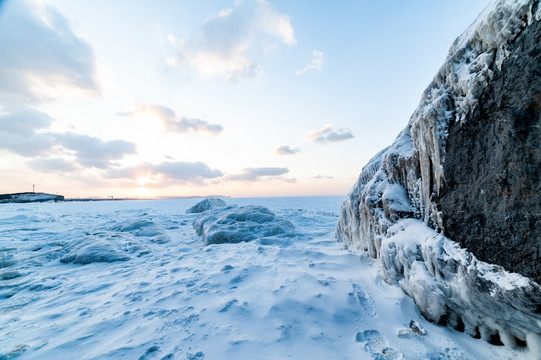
(133, 280)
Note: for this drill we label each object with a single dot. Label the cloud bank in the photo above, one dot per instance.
(231, 44)
(328, 134)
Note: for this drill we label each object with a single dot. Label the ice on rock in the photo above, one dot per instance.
(234, 224)
(205, 205)
(391, 212)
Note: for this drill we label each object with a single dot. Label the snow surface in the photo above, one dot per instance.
(304, 297)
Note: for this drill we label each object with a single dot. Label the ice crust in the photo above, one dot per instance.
(448, 284)
(234, 224)
(207, 204)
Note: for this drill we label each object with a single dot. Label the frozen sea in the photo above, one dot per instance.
(133, 280)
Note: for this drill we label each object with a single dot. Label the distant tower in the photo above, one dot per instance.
(33, 188)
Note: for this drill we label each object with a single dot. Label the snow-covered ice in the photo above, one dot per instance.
(147, 287)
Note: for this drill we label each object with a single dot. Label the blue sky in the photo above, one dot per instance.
(239, 98)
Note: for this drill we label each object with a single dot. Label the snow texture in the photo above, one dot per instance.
(234, 224)
(207, 204)
(448, 284)
(304, 298)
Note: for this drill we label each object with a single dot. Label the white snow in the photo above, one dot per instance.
(304, 298)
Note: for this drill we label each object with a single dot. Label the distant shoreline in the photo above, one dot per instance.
(154, 198)
(33, 197)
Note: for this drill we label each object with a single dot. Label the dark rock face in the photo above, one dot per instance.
(491, 199)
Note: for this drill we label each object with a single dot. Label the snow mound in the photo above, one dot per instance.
(93, 249)
(207, 204)
(234, 224)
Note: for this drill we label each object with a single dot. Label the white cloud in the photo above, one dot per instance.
(328, 134)
(94, 152)
(316, 64)
(24, 132)
(20, 132)
(255, 174)
(175, 123)
(39, 53)
(286, 150)
(232, 43)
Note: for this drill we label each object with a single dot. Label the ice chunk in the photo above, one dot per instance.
(236, 224)
(207, 204)
(91, 249)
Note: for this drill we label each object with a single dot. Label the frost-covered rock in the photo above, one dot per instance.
(91, 249)
(234, 224)
(144, 228)
(207, 204)
(465, 166)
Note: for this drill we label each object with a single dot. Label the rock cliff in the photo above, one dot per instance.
(452, 207)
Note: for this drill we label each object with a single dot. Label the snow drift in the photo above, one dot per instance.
(393, 214)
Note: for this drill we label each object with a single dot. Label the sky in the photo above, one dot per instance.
(237, 98)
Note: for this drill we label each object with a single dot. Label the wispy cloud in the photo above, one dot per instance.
(231, 43)
(172, 122)
(256, 174)
(319, 177)
(316, 64)
(328, 134)
(286, 150)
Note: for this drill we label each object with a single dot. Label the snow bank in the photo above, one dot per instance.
(207, 204)
(236, 224)
(403, 181)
